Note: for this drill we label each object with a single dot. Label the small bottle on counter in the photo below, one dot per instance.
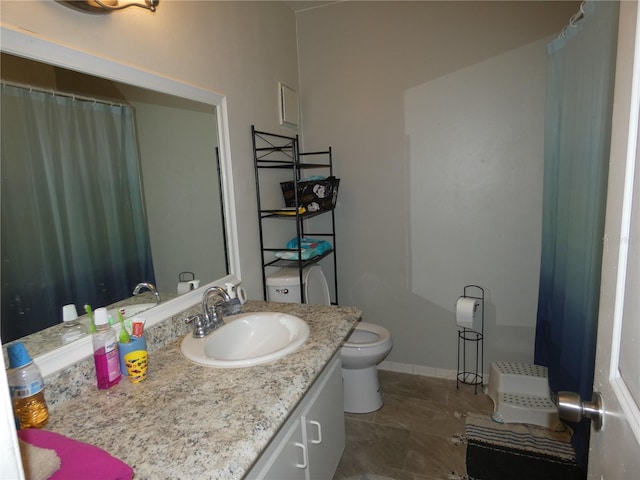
(72, 329)
(105, 351)
(26, 387)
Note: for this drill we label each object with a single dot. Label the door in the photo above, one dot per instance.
(615, 449)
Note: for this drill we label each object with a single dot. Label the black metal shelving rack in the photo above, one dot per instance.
(273, 151)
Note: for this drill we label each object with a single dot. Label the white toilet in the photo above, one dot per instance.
(284, 286)
(367, 345)
(364, 349)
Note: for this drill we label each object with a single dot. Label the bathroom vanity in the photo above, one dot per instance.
(310, 444)
(282, 418)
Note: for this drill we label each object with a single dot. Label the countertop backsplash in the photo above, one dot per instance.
(72, 381)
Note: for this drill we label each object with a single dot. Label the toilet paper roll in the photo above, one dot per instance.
(467, 312)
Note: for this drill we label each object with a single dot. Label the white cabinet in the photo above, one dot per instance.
(288, 460)
(311, 442)
(323, 424)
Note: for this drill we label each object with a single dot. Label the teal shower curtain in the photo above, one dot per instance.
(74, 227)
(580, 81)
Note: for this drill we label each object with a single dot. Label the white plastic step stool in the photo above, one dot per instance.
(520, 394)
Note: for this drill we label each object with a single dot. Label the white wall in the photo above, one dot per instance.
(435, 112)
(240, 49)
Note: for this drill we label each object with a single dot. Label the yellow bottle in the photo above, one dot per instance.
(26, 387)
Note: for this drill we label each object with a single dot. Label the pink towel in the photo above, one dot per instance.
(78, 460)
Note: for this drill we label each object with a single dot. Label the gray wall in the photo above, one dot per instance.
(240, 49)
(435, 112)
(182, 196)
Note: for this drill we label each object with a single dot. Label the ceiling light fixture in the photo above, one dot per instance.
(108, 6)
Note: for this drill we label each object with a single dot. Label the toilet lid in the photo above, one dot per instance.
(316, 288)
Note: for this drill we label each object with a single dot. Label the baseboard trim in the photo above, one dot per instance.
(422, 370)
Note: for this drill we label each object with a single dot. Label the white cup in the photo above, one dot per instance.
(69, 313)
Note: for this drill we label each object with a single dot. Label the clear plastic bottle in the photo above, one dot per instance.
(26, 387)
(72, 329)
(105, 351)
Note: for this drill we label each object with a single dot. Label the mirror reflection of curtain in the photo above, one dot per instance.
(74, 228)
(580, 81)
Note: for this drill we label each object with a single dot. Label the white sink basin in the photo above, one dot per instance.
(247, 339)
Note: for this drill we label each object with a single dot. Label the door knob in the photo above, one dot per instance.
(573, 409)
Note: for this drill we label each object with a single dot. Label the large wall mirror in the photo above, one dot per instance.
(184, 165)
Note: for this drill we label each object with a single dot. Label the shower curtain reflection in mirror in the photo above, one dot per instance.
(74, 227)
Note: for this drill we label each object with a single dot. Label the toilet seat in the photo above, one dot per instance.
(316, 290)
(367, 335)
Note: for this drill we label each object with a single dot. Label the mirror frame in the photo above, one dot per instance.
(35, 47)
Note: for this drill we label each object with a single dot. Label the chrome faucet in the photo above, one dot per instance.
(211, 318)
(213, 315)
(149, 286)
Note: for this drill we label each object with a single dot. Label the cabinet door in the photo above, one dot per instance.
(289, 461)
(324, 425)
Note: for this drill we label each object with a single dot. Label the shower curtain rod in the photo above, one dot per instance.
(573, 20)
(54, 93)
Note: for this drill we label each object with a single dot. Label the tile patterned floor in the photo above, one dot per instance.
(410, 437)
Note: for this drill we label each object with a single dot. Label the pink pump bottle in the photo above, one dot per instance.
(105, 351)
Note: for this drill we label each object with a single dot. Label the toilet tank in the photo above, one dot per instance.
(283, 285)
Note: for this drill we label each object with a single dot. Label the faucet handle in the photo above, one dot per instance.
(199, 328)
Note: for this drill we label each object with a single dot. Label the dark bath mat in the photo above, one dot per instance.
(497, 451)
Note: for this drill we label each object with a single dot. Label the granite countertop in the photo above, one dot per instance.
(192, 421)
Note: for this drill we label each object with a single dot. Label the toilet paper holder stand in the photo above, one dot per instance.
(470, 371)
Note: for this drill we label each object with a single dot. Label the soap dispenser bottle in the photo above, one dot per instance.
(233, 306)
(105, 351)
